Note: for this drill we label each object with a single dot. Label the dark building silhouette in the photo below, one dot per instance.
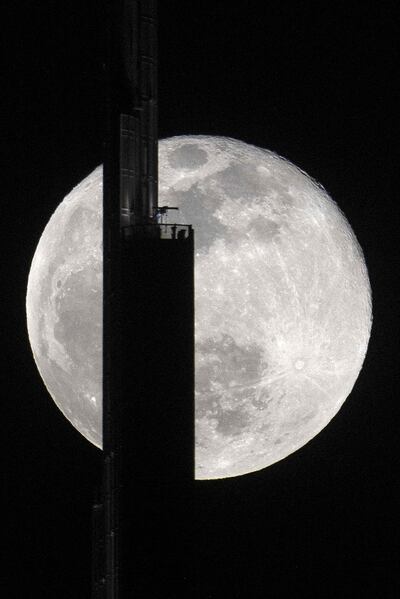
(143, 524)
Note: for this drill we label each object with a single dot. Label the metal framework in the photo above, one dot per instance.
(143, 524)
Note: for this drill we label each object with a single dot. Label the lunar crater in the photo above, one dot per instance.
(263, 229)
(193, 203)
(188, 156)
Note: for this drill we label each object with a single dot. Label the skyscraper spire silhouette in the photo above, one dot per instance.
(143, 537)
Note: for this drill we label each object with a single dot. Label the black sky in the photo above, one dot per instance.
(318, 85)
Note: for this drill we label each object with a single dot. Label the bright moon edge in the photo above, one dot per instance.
(283, 302)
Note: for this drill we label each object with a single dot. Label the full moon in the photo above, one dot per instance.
(282, 302)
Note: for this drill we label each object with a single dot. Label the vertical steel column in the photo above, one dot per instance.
(148, 355)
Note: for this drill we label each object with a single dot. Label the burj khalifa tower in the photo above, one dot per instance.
(143, 519)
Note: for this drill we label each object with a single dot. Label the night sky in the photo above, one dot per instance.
(316, 86)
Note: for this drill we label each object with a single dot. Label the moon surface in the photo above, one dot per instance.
(282, 302)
